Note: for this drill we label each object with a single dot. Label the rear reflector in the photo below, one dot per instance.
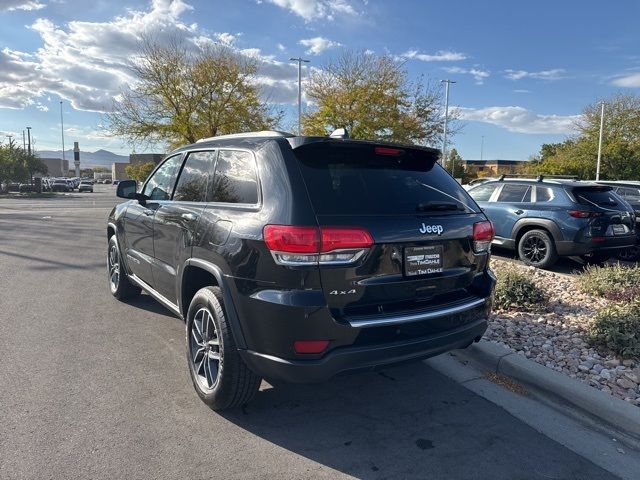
(310, 346)
(483, 234)
(388, 151)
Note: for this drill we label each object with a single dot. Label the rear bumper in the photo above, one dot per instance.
(350, 359)
(572, 248)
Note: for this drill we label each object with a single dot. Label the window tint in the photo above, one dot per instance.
(236, 179)
(597, 196)
(160, 184)
(515, 193)
(483, 193)
(355, 179)
(629, 192)
(192, 183)
(544, 194)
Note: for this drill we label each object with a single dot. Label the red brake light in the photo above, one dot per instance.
(337, 238)
(483, 234)
(388, 151)
(483, 231)
(579, 214)
(285, 238)
(310, 346)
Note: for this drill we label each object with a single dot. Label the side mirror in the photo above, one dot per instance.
(127, 189)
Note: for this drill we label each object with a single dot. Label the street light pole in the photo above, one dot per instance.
(600, 142)
(29, 139)
(446, 120)
(482, 149)
(24, 141)
(300, 60)
(10, 137)
(62, 131)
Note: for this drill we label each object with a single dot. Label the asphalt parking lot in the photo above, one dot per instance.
(94, 388)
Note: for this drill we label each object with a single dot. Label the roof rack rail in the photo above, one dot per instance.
(512, 175)
(263, 133)
(539, 178)
(562, 177)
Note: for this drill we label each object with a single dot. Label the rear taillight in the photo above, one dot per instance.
(483, 234)
(583, 214)
(388, 151)
(291, 245)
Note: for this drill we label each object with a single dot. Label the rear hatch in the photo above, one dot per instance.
(609, 215)
(419, 218)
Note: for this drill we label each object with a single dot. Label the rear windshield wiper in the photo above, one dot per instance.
(439, 206)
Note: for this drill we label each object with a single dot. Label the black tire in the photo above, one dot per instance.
(119, 283)
(537, 248)
(234, 384)
(631, 254)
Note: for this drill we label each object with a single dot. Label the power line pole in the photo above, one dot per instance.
(600, 141)
(62, 131)
(300, 61)
(446, 121)
(24, 141)
(29, 139)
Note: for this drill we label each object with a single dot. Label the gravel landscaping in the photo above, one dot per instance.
(557, 337)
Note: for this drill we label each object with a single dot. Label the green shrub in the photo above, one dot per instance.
(617, 328)
(608, 280)
(516, 291)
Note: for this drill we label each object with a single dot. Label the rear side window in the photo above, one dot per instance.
(513, 193)
(544, 194)
(629, 192)
(236, 178)
(192, 184)
(161, 182)
(356, 179)
(595, 196)
(483, 193)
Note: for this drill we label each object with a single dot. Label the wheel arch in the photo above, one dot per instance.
(526, 225)
(197, 274)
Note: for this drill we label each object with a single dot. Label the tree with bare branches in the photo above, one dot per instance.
(183, 93)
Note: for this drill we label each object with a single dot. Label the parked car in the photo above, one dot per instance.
(303, 257)
(630, 192)
(545, 218)
(116, 182)
(477, 181)
(85, 186)
(60, 185)
(26, 187)
(13, 187)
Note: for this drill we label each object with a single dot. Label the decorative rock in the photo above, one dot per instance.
(626, 383)
(604, 374)
(614, 362)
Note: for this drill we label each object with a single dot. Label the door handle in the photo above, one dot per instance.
(519, 212)
(190, 217)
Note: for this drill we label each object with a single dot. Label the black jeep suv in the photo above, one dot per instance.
(299, 258)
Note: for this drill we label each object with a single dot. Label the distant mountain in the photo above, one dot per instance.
(99, 158)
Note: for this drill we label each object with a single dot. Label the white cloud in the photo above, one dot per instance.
(522, 90)
(86, 63)
(281, 47)
(11, 5)
(439, 56)
(317, 45)
(554, 74)
(521, 120)
(316, 9)
(478, 74)
(631, 80)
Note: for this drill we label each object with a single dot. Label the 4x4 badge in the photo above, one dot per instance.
(431, 229)
(343, 292)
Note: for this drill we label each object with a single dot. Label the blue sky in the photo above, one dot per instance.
(524, 70)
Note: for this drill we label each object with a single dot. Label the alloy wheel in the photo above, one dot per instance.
(534, 249)
(205, 349)
(114, 267)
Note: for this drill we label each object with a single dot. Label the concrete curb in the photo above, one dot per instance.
(614, 411)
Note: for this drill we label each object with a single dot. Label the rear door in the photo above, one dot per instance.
(175, 228)
(420, 220)
(512, 204)
(138, 223)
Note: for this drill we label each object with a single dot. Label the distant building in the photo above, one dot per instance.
(146, 158)
(118, 171)
(56, 167)
(101, 176)
(493, 167)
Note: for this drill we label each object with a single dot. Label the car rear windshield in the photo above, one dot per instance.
(596, 196)
(348, 179)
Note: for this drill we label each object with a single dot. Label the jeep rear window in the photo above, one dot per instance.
(595, 196)
(368, 180)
